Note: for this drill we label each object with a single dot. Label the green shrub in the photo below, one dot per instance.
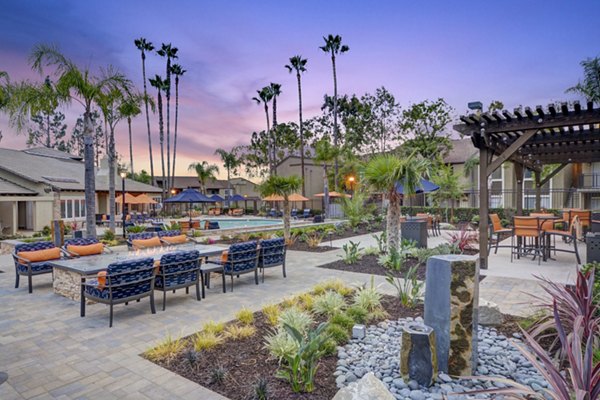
(368, 298)
(329, 303)
(245, 316)
(109, 235)
(296, 318)
(342, 319)
(351, 253)
(338, 333)
(330, 347)
(357, 313)
(280, 344)
(371, 251)
(46, 231)
(213, 327)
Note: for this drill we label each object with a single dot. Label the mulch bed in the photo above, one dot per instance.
(302, 246)
(246, 361)
(369, 265)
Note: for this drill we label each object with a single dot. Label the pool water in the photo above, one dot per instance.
(230, 223)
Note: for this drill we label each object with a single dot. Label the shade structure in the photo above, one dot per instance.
(273, 197)
(424, 187)
(216, 198)
(291, 197)
(144, 199)
(189, 196)
(237, 197)
(129, 199)
(333, 194)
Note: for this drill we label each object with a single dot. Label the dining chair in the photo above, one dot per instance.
(498, 230)
(570, 233)
(527, 228)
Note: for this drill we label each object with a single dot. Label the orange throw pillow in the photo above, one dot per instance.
(142, 243)
(87, 250)
(175, 239)
(224, 256)
(40, 255)
(156, 267)
(101, 279)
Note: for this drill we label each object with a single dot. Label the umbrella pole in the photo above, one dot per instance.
(190, 213)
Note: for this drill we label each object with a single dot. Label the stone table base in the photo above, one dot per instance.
(68, 284)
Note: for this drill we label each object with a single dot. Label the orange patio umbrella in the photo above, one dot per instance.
(333, 194)
(143, 199)
(291, 197)
(129, 199)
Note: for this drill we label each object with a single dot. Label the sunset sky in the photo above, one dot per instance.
(519, 52)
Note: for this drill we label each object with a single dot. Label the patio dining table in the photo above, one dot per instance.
(543, 219)
(70, 273)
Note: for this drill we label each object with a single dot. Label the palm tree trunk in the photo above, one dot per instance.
(90, 174)
(111, 181)
(393, 219)
(268, 139)
(168, 94)
(273, 133)
(229, 186)
(335, 124)
(148, 119)
(48, 130)
(130, 147)
(162, 147)
(286, 219)
(301, 137)
(325, 192)
(175, 135)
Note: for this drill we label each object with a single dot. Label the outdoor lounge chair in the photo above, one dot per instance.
(272, 254)
(178, 270)
(241, 258)
(294, 213)
(123, 281)
(306, 213)
(237, 212)
(78, 247)
(32, 259)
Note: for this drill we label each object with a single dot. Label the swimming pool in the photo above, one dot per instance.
(232, 223)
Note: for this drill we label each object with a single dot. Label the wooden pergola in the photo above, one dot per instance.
(531, 138)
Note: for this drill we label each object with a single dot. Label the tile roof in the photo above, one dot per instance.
(462, 150)
(8, 188)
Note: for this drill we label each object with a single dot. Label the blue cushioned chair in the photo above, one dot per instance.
(180, 269)
(168, 233)
(125, 281)
(134, 236)
(242, 258)
(27, 268)
(80, 242)
(271, 254)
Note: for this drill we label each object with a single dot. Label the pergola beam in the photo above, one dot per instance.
(506, 154)
(552, 174)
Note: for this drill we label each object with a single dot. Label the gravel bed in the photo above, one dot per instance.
(379, 353)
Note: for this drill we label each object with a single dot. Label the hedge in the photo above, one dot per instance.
(466, 214)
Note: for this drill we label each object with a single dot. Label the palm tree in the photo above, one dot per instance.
(130, 109)
(177, 71)
(145, 46)
(205, 172)
(382, 173)
(170, 52)
(264, 96)
(85, 88)
(161, 86)
(324, 154)
(230, 162)
(333, 45)
(275, 91)
(298, 64)
(282, 186)
(590, 87)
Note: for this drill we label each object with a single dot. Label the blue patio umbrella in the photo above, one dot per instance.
(189, 196)
(237, 197)
(216, 198)
(424, 187)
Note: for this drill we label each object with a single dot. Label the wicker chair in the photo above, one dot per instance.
(242, 258)
(124, 281)
(272, 254)
(28, 267)
(177, 270)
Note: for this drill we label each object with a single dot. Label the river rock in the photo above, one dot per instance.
(368, 387)
(489, 313)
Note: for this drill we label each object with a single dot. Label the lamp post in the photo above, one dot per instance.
(351, 180)
(123, 175)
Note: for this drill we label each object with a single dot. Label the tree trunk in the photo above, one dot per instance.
(175, 135)
(393, 219)
(130, 147)
(56, 205)
(90, 174)
(301, 137)
(48, 130)
(325, 192)
(168, 94)
(148, 119)
(273, 133)
(111, 181)
(268, 139)
(162, 147)
(335, 125)
(286, 219)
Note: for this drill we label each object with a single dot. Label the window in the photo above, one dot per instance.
(72, 208)
(63, 208)
(529, 192)
(497, 188)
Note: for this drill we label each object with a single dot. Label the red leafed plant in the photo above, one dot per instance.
(465, 239)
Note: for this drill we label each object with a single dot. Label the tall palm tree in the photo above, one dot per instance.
(170, 53)
(144, 46)
(230, 162)
(333, 45)
(161, 86)
(382, 173)
(298, 64)
(177, 71)
(275, 91)
(83, 87)
(282, 186)
(130, 109)
(265, 95)
(325, 153)
(205, 172)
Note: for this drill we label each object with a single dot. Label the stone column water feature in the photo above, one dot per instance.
(451, 309)
(418, 359)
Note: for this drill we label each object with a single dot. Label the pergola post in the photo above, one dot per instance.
(484, 200)
(538, 190)
(519, 191)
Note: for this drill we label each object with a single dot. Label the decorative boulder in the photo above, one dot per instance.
(368, 387)
(489, 314)
(418, 359)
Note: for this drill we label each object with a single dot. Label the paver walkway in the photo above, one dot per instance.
(50, 352)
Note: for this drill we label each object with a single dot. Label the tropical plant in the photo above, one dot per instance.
(371, 251)
(130, 109)
(313, 239)
(296, 318)
(144, 46)
(245, 316)
(394, 259)
(590, 87)
(136, 229)
(351, 253)
(282, 186)
(85, 88)
(422, 254)
(169, 52)
(465, 239)
(275, 91)
(178, 71)
(161, 87)
(381, 240)
(356, 210)
(329, 303)
(230, 162)
(205, 172)
(367, 298)
(408, 287)
(333, 45)
(265, 95)
(298, 64)
(300, 369)
(281, 345)
(383, 173)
